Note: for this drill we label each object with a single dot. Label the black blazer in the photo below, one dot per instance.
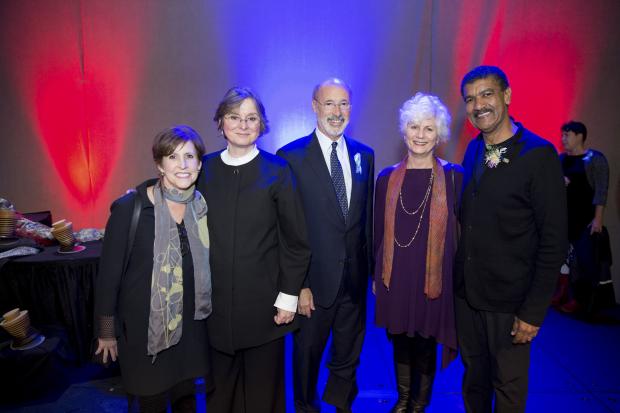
(515, 228)
(334, 243)
(259, 247)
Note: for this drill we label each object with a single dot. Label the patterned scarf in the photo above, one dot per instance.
(166, 315)
(436, 233)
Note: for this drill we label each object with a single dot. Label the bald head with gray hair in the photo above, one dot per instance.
(331, 81)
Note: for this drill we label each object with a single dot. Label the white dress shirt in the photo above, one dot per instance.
(343, 157)
(285, 302)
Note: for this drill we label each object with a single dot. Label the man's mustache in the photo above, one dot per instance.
(336, 118)
(478, 112)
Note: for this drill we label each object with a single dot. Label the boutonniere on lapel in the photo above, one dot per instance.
(494, 155)
(358, 163)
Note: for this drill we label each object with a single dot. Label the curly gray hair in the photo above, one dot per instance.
(426, 106)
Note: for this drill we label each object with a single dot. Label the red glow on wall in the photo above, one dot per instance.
(77, 77)
(545, 59)
(61, 122)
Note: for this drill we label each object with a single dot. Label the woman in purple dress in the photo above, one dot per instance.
(414, 252)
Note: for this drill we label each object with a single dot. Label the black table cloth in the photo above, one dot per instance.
(55, 288)
(37, 372)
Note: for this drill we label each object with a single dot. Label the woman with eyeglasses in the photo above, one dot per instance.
(152, 315)
(259, 256)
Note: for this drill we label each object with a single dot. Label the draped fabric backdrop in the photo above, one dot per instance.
(87, 84)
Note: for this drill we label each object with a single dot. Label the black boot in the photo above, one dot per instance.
(403, 386)
(421, 391)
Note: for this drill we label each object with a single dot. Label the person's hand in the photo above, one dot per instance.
(566, 181)
(305, 303)
(108, 346)
(596, 226)
(523, 332)
(283, 317)
(373, 288)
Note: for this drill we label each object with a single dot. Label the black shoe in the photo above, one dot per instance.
(421, 392)
(403, 386)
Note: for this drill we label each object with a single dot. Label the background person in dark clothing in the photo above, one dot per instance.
(586, 174)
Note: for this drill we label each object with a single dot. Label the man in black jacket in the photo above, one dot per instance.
(514, 219)
(336, 178)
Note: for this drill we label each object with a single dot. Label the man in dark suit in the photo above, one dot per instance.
(336, 178)
(514, 219)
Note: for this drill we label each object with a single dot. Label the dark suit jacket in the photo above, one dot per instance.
(334, 243)
(515, 228)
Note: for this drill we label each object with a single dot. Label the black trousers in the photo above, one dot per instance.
(493, 365)
(251, 381)
(347, 323)
(417, 352)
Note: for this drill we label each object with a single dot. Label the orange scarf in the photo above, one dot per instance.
(437, 227)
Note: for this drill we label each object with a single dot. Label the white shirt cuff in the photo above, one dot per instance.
(286, 302)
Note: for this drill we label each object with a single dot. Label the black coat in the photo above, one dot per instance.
(334, 243)
(515, 228)
(259, 247)
(126, 300)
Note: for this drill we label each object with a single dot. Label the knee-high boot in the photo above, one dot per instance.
(403, 386)
(421, 391)
(562, 294)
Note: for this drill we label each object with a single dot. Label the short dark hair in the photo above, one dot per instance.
(576, 127)
(233, 99)
(167, 141)
(482, 72)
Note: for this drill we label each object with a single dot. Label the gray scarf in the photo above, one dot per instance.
(166, 315)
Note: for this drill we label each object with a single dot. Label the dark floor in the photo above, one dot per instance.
(575, 367)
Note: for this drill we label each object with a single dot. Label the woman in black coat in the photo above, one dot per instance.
(153, 315)
(259, 257)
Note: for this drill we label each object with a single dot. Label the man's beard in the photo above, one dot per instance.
(331, 131)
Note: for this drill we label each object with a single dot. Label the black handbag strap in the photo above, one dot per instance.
(137, 208)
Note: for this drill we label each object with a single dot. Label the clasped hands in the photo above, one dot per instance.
(283, 317)
(523, 332)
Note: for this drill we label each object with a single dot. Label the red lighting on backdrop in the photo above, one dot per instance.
(60, 115)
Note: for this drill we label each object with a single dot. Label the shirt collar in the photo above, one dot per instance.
(229, 160)
(326, 142)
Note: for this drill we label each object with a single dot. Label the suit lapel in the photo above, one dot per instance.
(317, 162)
(355, 177)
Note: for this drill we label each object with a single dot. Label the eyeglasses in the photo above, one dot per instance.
(183, 239)
(235, 120)
(332, 105)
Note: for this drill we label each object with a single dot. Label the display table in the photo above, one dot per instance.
(55, 288)
(37, 372)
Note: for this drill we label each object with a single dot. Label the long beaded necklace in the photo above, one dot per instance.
(422, 205)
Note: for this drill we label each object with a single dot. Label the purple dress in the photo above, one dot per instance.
(405, 308)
